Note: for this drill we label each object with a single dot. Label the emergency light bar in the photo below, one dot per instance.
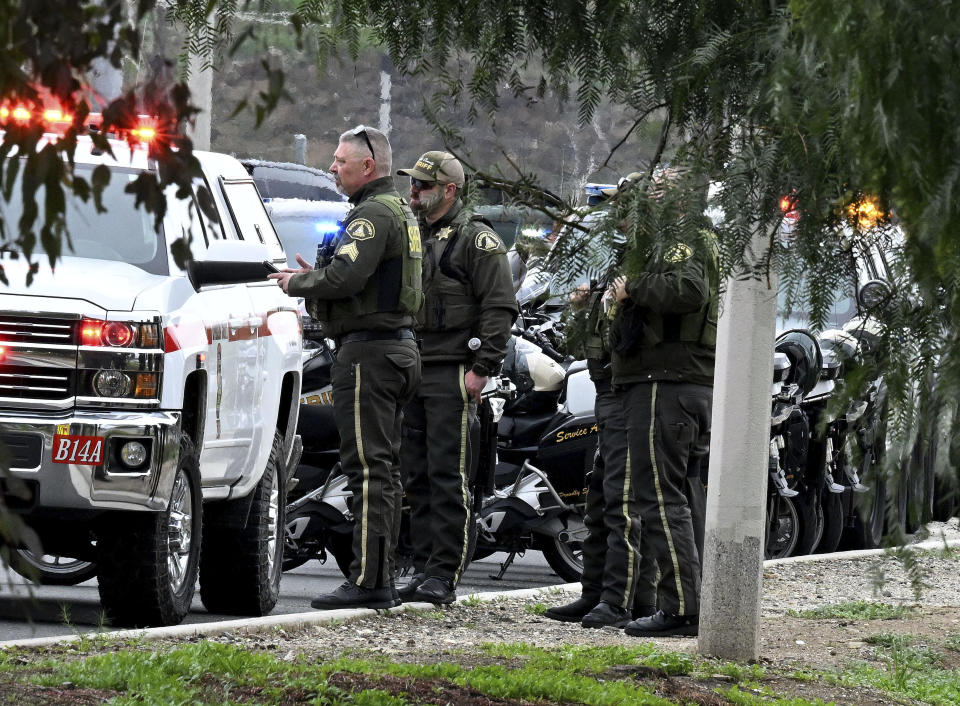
(55, 121)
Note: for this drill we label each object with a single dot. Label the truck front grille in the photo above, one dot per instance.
(39, 360)
(37, 329)
(20, 382)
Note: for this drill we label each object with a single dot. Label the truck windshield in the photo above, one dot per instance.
(121, 234)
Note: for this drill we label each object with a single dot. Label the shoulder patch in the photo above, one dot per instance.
(361, 229)
(349, 250)
(487, 241)
(678, 253)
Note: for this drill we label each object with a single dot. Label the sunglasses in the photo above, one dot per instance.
(422, 185)
(361, 131)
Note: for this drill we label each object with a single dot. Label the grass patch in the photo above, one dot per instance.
(472, 601)
(755, 697)
(855, 610)
(911, 672)
(561, 676)
(952, 642)
(211, 672)
(889, 640)
(740, 672)
(535, 608)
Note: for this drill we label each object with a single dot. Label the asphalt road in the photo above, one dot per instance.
(71, 610)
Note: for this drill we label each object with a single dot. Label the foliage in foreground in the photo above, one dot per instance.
(210, 672)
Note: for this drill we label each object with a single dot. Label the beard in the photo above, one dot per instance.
(427, 202)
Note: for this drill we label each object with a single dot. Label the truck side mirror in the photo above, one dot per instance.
(230, 262)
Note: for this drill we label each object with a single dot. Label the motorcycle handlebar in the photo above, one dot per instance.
(544, 345)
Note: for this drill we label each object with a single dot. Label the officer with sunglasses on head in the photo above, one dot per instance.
(367, 296)
(464, 327)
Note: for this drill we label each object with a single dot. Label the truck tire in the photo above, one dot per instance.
(242, 558)
(148, 560)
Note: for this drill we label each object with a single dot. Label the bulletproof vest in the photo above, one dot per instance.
(698, 327)
(450, 303)
(595, 341)
(398, 278)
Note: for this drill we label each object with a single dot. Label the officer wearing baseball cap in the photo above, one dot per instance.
(436, 167)
(468, 300)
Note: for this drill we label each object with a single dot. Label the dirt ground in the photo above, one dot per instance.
(788, 644)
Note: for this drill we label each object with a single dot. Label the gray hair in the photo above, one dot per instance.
(378, 144)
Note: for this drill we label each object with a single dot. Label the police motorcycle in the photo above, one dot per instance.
(546, 439)
(540, 409)
(794, 514)
(518, 505)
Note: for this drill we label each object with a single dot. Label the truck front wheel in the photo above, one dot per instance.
(242, 558)
(148, 561)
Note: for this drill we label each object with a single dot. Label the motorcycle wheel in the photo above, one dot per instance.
(51, 569)
(783, 527)
(565, 558)
(833, 518)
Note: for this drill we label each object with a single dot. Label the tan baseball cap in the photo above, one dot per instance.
(441, 167)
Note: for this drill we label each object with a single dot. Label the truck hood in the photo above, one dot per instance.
(113, 286)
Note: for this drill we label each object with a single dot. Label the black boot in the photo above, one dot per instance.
(350, 595)
(662, 625)
(606, 615)
(643, 610)
(407, 589)
(437, 590)
(572, 612)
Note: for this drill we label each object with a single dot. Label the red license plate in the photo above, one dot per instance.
(87, 450)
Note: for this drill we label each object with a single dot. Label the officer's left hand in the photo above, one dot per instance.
(474, 384)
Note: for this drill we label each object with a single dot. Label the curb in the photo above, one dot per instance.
(864, 553)
(287, 620)
(301, 620)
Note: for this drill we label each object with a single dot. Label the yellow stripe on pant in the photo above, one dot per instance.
(663, 510)
(358, 432)
(464, 431)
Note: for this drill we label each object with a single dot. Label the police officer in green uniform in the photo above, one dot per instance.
(663, 362)
(619, 575)
(464, 327)
(367, 296)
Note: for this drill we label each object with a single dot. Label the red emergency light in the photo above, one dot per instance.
(55, 120)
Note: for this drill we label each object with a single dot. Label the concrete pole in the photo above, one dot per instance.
(201, 95)
(739, 451)
(300, 148)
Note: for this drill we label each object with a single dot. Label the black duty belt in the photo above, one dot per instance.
(362, 336)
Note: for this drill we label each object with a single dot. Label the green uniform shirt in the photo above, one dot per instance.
(468, 292)
(366, 266)
(673, 289)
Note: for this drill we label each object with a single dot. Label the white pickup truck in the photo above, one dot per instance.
(149, 411)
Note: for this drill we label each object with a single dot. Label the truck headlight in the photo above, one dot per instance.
(112, 383)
